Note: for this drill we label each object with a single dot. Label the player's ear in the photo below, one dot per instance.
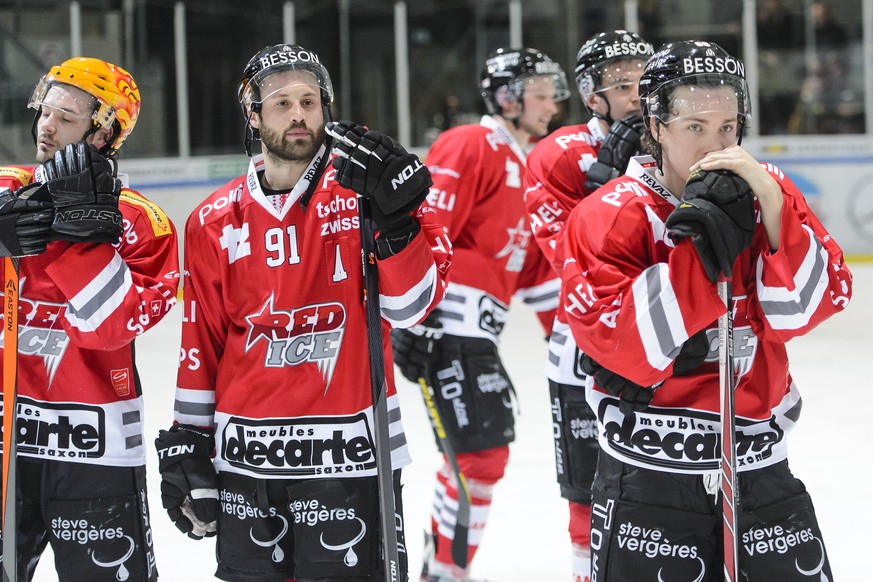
(507, 101)
(255, 120)
(101, 137)
(592, 102)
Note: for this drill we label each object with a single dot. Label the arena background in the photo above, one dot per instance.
(409, 68)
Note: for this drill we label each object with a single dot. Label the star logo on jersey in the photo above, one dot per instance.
(516, 246)
(309, 334)
(236, 242)
(40, 332)
(269, 324)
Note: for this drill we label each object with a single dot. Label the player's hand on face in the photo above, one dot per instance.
(740, 162)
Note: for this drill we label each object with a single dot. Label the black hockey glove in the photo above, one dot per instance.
(189, 483)
(718, 213)
(417, 348)
(620, 145)
(376, 166)
(25, 221)
(693, 353)
(633, 397)
(85, 192)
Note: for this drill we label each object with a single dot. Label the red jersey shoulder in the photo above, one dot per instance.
(14, 177)
(562, 140)
(462, 140)
(223, 201)
(131, 201)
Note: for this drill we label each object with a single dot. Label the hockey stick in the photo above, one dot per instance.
(10, 393)
(380, 392)
(730, 494)
(462, 524)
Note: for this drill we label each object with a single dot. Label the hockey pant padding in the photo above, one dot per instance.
(648, 522)
(273, 530)
(574, 427)
(473, 394)
(95, 518)
(481, 470)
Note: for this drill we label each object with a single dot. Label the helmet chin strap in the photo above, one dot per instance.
(606, 118)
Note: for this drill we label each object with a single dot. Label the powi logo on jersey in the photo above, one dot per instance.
(60, 431)
(311, 334)
(299, 447)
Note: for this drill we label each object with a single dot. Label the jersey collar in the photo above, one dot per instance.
(256, 164)
(642, 169)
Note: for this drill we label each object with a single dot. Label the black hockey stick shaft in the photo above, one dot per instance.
(387, 506)
(462, 524)
(10, 395)
(730, 500)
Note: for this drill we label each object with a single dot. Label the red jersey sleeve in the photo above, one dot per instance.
(413, 281)
(116, 292)
(805, 280)
(556, 171)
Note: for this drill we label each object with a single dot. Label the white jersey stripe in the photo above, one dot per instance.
(405, 310)
(658, 317)
(101, 297)
(792, 308)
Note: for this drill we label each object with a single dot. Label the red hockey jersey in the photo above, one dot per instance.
(274, 342)
(81, 307)
(632, 299)
(556, 171)
(478, 173)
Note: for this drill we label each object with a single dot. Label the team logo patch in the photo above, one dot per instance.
(309, 334)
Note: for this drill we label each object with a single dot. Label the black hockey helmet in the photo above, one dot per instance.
(255, 84)
(605, 48)
(691, 62)
(507, 70)
(706, 67)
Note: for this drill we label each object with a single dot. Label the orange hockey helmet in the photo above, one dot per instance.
(118, 99)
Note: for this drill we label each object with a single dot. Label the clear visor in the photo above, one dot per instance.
(270, 82)
(695, 96)
(621, 75)
(543, 86)
(66, 99)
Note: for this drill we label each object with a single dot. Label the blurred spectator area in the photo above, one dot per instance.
(810, 58)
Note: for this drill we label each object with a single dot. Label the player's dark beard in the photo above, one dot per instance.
(298, 150)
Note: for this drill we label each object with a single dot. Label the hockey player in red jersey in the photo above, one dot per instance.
(275, 368)
(478, 172)
(562, 169)
(99, 266)
(639, 290)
